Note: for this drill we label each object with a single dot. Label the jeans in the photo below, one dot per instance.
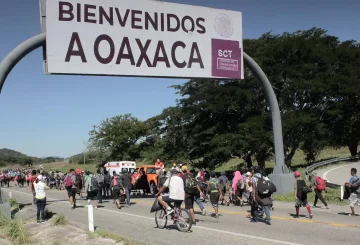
(267, 212)
(40, 203)
(127, 192)
(199, 202)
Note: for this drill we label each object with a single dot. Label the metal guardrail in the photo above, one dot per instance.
(309, 171)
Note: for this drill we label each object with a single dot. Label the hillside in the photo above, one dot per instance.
(10, 153)
(10, 157)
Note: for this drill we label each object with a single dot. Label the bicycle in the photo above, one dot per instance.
(183, 224)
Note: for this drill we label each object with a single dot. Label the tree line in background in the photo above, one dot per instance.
(315, 77)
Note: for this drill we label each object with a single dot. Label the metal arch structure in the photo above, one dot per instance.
(281, 175)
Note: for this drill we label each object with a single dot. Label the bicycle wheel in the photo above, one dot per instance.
(184, 220)
(161, 218)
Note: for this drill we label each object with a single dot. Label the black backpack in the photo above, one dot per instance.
(78, 179)
(191, 185)
(107, 179)
(265, 187)
(94, 184)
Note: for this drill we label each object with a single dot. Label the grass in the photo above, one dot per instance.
(13, 203)
(59, 220)
(14, 230)
(115, 237)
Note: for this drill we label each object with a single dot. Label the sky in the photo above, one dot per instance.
(51, 115)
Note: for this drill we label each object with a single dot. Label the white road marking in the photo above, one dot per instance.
(196, 227)
(327, 172)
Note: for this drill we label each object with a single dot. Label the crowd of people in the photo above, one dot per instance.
(178, 185)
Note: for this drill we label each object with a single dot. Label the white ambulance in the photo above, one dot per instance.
(119, 166)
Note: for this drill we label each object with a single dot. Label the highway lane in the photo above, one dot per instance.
(328, 226)
(338, 174)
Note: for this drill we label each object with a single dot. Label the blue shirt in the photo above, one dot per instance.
(352, 180)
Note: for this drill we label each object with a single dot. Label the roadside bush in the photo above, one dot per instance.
(14, 230)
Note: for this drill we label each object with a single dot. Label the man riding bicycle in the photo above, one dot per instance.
(176, 191)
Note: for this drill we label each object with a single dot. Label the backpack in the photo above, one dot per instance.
(77, 179)
(68, 182)
(265, 187)
(107, 179)
(191, 185)
(320, 184)
(240, 184)
(116, 182)
(100, 179)
(213, 184)
(93, 184)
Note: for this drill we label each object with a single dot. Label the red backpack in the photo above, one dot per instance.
(320, 184)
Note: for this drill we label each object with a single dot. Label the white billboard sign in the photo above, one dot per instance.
(142, 38)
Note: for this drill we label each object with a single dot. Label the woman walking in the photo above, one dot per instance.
(40, 198)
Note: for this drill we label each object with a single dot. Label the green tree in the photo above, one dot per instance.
(119, 136)
(342, 105)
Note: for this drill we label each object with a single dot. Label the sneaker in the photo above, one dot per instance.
(38, 222)
(296, 216)
(268, 222)
(203, 212)
(253, 220)
(311, 216)
(42, 221)
(169, 211)
(326, 207)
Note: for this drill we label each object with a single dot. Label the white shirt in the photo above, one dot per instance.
(176, 188)
(40, 190)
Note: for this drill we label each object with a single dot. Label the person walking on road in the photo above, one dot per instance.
(214, 188)
(116, 189)
(301, 195)
(100, 180)
(40, 197)
(319, 186)
(92, 188)
(126, 181)
(354, 187)
(70, 186)
(223, 184)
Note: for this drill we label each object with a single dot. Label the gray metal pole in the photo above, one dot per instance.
(280, 166)
(18, 53)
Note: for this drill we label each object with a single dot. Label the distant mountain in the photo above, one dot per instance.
(10, 157)
(8, 152)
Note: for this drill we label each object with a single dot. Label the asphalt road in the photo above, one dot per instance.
(338, 174)
(330, 227)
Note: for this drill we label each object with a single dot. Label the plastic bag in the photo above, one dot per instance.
(156, 206)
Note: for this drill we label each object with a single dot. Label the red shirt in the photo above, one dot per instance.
(32, 180)
(159, 165)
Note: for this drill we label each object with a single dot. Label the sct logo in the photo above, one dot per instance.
(225, 53)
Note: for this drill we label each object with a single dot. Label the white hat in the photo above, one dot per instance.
(40, 177)
(248, 174)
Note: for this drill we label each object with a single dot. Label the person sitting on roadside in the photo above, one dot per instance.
(176, 191)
